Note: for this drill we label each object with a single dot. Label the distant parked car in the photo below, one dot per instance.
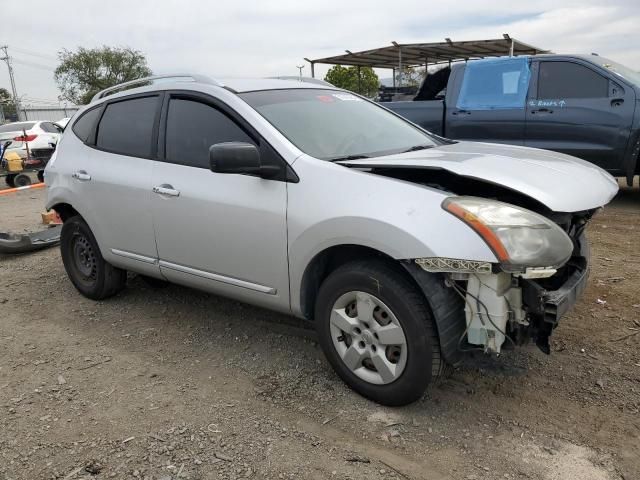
(33, 141)
(63, 122)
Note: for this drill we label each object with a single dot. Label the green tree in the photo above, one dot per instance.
(83, 73)
(411, 76)
(8, 105)
(366, 84)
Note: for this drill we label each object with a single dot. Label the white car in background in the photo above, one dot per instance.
(32, 141)
(63, 121)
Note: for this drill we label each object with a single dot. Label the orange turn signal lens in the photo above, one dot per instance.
(480, 228)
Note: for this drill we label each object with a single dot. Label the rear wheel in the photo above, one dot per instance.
(41, 176)
(22, 180)
(376, 329)
(9, 180)
(87, 269)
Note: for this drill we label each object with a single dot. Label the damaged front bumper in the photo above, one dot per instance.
(547, 300)
(499, 308)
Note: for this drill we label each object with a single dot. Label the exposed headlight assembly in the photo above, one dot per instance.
(519, 238)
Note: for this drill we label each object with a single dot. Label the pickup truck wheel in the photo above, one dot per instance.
(87, 269)
(376, 329)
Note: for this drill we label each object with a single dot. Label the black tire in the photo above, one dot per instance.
(41, 176)
(22, 180)
(92, 276)
(391, 284)
(9, 180)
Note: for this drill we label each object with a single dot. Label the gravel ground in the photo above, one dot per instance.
(174, 383)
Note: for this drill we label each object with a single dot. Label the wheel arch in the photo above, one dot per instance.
(447, 308)
(65, 210)
(325, 262)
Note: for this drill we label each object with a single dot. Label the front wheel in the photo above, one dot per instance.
(376, 329)
(94, 277)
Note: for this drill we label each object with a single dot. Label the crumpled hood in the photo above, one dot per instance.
(561, 182)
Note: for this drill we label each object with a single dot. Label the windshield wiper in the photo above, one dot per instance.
(348, 157)
(415, 148)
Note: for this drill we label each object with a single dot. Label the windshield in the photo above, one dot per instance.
(16, 127)
(332, 125)
(619, 69)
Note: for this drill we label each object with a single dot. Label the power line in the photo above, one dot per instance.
(34, 54)
(34, 65)
(7, 59)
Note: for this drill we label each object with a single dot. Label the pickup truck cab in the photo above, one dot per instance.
(581, 105)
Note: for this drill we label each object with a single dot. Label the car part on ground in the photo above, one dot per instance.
(12, 243)
(313, 201)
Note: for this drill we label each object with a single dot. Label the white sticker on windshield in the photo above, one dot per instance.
(347, 97)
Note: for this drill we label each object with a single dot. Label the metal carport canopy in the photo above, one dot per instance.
(413, 54)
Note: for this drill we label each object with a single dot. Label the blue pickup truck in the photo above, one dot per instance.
(582, 105)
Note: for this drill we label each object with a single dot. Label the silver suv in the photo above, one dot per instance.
(403, 248)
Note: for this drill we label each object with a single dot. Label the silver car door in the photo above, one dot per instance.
(225, 233)
(114, 178)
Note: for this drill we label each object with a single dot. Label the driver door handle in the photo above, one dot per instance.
(166, 189)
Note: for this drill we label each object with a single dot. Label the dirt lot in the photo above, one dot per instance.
(174, 383)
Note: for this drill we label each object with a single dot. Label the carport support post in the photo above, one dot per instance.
(399, 66)
(393, 77)
(359, 81)
(511, 48)
(313, 70)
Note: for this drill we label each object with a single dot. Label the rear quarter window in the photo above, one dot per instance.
(84, 125)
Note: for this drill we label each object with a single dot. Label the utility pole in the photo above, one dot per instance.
(7, 59)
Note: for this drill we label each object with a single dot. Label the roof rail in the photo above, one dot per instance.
(152, 79)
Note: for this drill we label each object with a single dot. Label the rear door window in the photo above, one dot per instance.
(193, 127)
(495, 84)
(559, 80)
(127, 127)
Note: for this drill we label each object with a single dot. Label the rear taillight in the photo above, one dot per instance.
(25, 138)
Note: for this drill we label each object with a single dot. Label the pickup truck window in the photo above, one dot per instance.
(332, 124)
(559, 80)
(494, 84)
(622, 71)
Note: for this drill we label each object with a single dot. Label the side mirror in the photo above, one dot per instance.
(240, 158)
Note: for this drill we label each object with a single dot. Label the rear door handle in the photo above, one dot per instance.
(461, 112)
(81, 175)
(542, 110)
(616, 102)
(166, 189)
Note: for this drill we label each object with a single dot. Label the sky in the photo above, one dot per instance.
(266, 38)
